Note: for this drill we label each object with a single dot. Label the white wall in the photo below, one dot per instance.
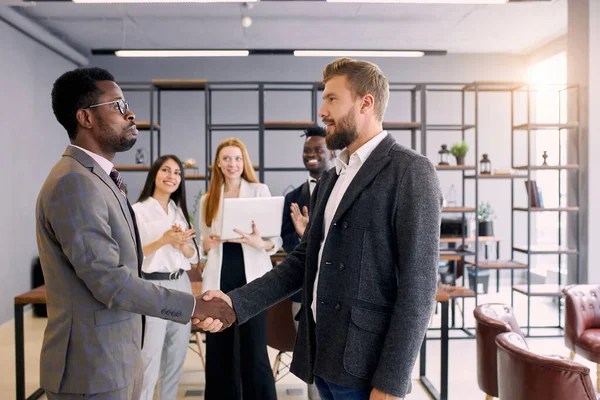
(183, 113)
(583, 57)
(32, 142)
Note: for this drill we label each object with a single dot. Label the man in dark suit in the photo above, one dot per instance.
(91, 253)
(367, 264)
(317, 159)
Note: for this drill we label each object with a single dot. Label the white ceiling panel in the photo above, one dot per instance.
(512, 28)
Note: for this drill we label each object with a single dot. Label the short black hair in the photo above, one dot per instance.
(315, 131)
(74, 90)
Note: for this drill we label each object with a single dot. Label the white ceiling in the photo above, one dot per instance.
(515, 28)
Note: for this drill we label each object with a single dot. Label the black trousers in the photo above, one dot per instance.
(237, 362)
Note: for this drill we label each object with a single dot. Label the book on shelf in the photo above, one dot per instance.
(534, 194)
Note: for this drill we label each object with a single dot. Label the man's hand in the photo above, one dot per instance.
(214, 315)
(299, 219)
(379, 395)
(217, 294)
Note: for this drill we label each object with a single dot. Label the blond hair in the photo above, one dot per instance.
(364, 78)
(212, 200)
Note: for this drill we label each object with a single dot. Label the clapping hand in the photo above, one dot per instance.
(179, 238)
(299, 219)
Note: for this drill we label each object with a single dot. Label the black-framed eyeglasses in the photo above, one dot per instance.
(122, 104)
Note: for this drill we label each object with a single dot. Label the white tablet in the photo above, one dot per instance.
(239, 213)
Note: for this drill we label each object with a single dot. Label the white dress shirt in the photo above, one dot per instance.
(106, 165)
(152, 223)
(346, 167)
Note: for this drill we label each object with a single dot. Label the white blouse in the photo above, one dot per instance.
(152, 223)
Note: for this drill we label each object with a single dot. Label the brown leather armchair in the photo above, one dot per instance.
(491, 320)
(582, 322)
(524, 375)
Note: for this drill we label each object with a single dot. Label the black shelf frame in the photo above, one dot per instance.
(529, 128)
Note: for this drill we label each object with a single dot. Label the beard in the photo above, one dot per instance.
(344, 132)
(112, 141)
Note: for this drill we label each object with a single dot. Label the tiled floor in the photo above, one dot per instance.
(462, 377)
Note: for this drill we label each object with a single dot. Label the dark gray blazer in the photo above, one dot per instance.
(377, 277)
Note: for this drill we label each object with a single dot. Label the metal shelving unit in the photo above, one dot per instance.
(529, 128)
(418, 124)
(173, 85)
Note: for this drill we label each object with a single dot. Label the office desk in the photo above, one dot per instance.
(35, 296)
(444, 295)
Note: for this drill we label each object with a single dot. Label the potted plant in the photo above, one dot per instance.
(459, 150)
(485, 216)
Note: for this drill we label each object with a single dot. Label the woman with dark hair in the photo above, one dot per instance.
(237, 363)
(169, 250)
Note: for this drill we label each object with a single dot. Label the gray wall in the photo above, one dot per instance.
(32, 141)
(183, 115)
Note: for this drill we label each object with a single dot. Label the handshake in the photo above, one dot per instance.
(213, 312)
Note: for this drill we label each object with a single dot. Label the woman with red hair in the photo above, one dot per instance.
(237, 363)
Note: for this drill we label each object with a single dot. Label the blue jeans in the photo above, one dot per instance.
(332, 391)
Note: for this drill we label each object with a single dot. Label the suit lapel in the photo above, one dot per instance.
(375, 162)
(138, 241)
(97, 170)
(305, 195)
(323, 191)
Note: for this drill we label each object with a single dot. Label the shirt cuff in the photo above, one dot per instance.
(194, 309)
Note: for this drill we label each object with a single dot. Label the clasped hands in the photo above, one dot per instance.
(213, 312)
(179, 237)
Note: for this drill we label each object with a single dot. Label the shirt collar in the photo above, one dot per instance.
(106, 165)
(157, 204)
(360, 155)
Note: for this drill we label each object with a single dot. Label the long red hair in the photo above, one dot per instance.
(212, 200)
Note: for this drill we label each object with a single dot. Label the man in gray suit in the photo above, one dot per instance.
(91, 253)
(368, 260)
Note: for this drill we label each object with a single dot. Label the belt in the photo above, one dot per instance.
(163, 276)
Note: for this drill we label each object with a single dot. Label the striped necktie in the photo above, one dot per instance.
(118, 180)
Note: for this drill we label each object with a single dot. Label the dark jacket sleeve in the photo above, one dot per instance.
(417, 229)
(288, 232)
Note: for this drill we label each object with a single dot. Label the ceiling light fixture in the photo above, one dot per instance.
(423, 1)
(264, 52)
(181, 53)
(358, 53)
(246, 22)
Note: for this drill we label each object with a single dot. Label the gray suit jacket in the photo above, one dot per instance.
(377, 278)
(89, 256)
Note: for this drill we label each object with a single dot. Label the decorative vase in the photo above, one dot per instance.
(486, 228)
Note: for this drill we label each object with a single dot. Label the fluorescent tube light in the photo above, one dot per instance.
(181, 53)
(423, 1)
(358, 53)
(159, 1)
